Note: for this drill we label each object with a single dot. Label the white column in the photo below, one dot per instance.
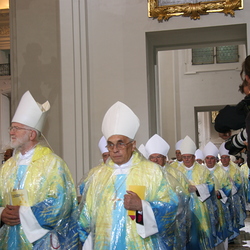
(74, 80)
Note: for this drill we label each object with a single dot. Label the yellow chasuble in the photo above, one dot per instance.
(103, 213)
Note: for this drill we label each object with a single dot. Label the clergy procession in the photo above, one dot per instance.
(134, 199)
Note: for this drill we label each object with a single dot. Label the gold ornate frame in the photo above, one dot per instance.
(192, 10)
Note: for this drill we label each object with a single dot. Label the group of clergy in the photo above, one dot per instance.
(132, 200)
(218, 190)
(212, 192)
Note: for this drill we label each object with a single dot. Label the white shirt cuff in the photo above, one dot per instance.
(149, 226)
(88, 244)
(31, 227)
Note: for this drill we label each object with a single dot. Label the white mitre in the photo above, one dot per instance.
(178, 145)
(187, 146)
(210, 149)
(31, 113)
(120, 120)
(223, 150)
(199, 154)
(102, 145)
(157, 145)
(143, 151)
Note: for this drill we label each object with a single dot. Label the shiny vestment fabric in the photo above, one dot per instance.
(223, 184)
(103, 213)
(203, 221)
(178, 175)
(52, 198)
(238, 208)
(183, 218)
(244, 169)
(81, 184)
(175, 164)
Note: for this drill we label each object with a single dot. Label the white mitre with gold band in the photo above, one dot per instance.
(31, 113)
(210, 149)
(120, 120)
(157, 145)
(188, 146)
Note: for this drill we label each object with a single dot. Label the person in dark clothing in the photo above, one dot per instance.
(233, 117)
(245, 74)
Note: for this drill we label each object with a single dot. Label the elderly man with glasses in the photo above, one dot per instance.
(37, 193)
(127, 203)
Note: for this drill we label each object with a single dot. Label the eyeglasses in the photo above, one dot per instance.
(187, 157)
(118, 145)
(15, 128)
(210, 158)
(156, 157)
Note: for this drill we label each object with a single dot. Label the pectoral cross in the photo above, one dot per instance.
(114, 200)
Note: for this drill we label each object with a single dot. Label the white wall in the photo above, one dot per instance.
(35, 60)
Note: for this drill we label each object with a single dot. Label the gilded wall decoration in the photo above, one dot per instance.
(164, 9)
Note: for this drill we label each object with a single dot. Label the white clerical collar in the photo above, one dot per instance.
(189, 168)
(211, 169)
(26, 158)
(124, 168)
(125, 165)
(27, 154)
(226, 168)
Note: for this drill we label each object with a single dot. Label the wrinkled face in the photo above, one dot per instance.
(225, 159)
(210, 161)
(188, 160)
(19, 135)
(105, 156)
(158, 158)
(178, 155)
(120, 148)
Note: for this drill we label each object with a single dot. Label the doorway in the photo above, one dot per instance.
(176, 119)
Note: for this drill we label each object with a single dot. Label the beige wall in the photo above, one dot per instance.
(35, 58)
(84, 56)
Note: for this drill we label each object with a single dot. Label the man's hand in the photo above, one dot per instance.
(10, 215)
(132, 201)
(192, 189)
